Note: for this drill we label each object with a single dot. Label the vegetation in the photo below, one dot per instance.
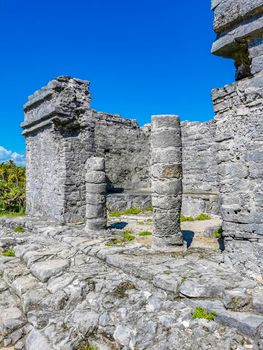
(124, 238)
(218, 233)
(141, 222)
(199, 312)
(19, 229)
(199, 217)
(12, 189)
(145, 233)
(9, 252)
(129, 211)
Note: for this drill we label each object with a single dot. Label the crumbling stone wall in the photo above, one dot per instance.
(200, 179)
(59, 130)
(239, 122)
(126, 149)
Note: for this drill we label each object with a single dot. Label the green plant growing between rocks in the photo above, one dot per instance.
(127, 236)
(145, 233)
(19, 229)
(10, 252)
(218, 233)
(141, 222)
(199, 217)
(149, 220)
(200, 312)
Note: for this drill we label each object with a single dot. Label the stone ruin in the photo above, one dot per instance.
(221, 160)
(67, 284)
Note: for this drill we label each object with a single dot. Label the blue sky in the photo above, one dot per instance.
(142, 57)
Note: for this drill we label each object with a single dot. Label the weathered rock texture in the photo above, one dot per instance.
(200, 178)
(239, 27)
(59, 130)
(239, 122)
(96, 187)
(166, 175)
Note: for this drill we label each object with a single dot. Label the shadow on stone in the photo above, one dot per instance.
(221, 243)
(118, 225)
(188, 237)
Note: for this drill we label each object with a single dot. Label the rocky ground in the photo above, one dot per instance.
(64, 287)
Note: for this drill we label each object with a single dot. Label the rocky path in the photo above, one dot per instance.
(63, 287)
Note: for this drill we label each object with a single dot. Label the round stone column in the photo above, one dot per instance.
(96, 213)
(166, 177)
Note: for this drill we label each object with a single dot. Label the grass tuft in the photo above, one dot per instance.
(9, 252)
(218, 233)
(145, 233)
(199, 217)
(11, 214)
(19, 229)
(199, 312)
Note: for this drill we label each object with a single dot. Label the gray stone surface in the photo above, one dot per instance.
(96, 187)
(166, 176)
(124, 296)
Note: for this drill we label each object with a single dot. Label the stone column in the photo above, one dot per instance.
(96, 213)
(166, 176)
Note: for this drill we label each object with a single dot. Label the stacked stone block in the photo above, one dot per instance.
(96, 213)
(239, 119)
(166, 176)
(59, 130)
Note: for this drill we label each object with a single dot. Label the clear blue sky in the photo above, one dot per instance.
(142, 57)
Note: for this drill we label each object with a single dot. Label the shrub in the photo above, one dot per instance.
(199, 312)
(218, 233)
(9, 252)
(12, 188)
(19, 229)
(145, 233)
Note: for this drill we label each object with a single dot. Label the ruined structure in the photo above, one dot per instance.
(66, 279)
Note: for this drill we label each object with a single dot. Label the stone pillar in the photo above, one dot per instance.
(166, 176)
(96, 213)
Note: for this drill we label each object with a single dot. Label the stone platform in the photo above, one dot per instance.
(64, 287)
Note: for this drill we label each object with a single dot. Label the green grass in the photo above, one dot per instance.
(199, 217)
(9, 252)
(129, 211)
(11, 214)
(141, 222)
(145, 233)
(202, 216)
(127, 237)
(19, 229)
(199, 312)
(149, 220)
(218, 233)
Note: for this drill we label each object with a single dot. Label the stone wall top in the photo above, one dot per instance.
(239, 26)
(58, 98)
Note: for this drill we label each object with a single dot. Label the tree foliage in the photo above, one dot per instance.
(12, 188)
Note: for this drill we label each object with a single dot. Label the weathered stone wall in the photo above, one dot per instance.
(239, 118)
(126, 149)
(239, 121)
(200, 180)
(59, 130)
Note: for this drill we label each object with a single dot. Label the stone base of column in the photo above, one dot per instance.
(168, 244)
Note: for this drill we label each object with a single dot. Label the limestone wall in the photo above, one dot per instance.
(59, 130)
(239, 122)
(239, 131)
(126, 149)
